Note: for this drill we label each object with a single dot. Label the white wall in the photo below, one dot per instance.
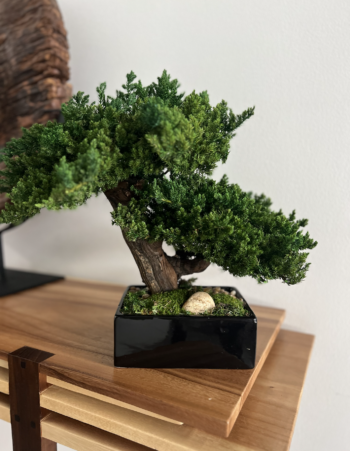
(291, 60)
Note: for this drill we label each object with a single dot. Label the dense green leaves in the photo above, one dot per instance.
(221, 223)
(143, 132)
(172, 143)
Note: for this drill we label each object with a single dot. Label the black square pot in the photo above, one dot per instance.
(213, 342)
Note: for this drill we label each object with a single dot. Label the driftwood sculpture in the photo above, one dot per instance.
(33, 66)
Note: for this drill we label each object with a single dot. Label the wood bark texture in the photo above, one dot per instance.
(158, 271)
(185, 266)
(33, 65)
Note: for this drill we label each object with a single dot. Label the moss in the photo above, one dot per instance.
(139, 302)
(135, 303)
(169, 302)
(226, 305)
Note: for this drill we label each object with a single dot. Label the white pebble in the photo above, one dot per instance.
(199, 303)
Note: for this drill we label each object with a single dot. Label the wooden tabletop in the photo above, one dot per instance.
(74, 321)
(265, 423)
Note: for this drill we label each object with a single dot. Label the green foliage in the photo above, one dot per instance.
(187, 283)
(172, 143)
(143, 132)
(171, 302)
(221, 223)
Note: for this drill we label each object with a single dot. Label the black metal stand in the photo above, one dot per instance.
(12, 281)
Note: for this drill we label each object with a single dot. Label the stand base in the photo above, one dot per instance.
(16, 281)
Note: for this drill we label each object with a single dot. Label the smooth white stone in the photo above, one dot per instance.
(199, 303)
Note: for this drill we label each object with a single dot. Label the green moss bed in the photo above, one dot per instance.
(139, 302)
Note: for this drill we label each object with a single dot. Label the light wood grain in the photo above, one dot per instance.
(268, 417)
(4, 381)
(5, 408)
(124, 405)
(82, 437)
(74, 321)
(266, 421)
(4, 364)
(75, 435)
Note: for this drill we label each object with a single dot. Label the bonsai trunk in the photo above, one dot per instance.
(156, 272)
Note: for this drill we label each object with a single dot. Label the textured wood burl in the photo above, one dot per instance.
(33, 64)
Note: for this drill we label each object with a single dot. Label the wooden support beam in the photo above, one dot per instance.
(91, 394)
(82, 437)
(25, 385)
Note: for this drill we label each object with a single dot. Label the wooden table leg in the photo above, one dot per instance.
(25, 385)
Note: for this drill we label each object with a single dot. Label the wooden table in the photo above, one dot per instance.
(88, 404)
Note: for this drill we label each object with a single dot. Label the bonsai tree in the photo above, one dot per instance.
(151, 151)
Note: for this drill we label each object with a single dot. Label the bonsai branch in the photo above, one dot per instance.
(122, 193)
(158, 271)
(184, 266)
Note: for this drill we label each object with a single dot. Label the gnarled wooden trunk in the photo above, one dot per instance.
(158, 271)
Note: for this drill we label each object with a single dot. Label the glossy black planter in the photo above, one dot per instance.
(184, 341)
